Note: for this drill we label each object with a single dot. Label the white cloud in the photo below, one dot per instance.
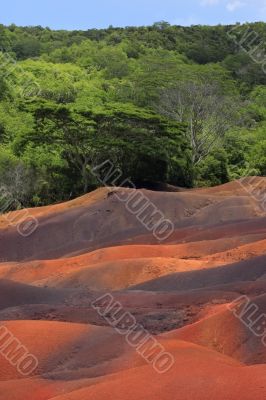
(234, 5)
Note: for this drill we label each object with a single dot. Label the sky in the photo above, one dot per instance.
(86, 14)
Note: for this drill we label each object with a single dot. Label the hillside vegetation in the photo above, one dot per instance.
(183, 106)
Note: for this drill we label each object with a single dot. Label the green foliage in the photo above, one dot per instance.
(258, 158)
(70, 100)
(213, 170)
(27, 48)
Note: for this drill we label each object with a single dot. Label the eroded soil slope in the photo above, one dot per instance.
(185, 291)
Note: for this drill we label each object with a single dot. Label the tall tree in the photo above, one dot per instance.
(206, 111)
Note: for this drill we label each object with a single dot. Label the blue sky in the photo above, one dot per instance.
(85, 14)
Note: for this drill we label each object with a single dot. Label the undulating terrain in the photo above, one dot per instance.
(180, 290)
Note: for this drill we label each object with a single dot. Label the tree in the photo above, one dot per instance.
(161, 25)
(27, 47)
(142, 144)
(206, 111)
(245, 70)
(15, 178)
(258, 158)
(213, 170)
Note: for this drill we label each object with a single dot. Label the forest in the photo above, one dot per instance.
(183, 106)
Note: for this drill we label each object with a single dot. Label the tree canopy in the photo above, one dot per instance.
(153, 100)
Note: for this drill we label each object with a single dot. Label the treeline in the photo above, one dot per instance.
(184, 106)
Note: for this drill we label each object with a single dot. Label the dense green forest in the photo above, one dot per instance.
(183, 106)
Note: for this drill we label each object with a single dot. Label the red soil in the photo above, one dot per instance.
(196, 374)
(179, 290)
